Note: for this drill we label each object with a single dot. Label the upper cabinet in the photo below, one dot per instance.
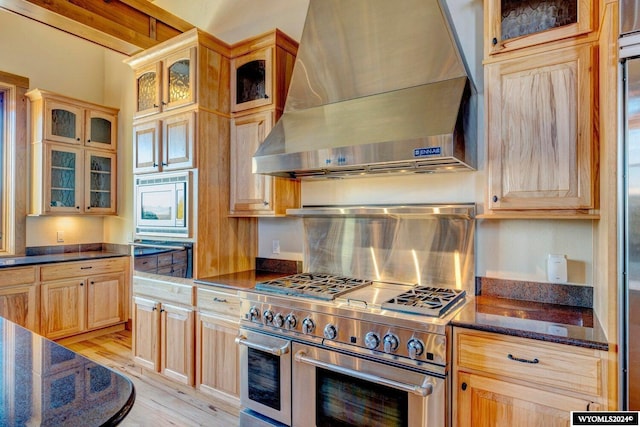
(541, 109)
(261, 70)
(73, 156)
(166, 83)
(515, 24)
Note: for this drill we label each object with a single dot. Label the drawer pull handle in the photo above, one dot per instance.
(86, 268)
(518, 359)
(222, 300)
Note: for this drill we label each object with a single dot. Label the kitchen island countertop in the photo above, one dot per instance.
(27, 260)
(46, 384)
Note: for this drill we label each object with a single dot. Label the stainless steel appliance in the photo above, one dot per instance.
(376, 88)
(166, 258)
(630, 179)
(163, 204)
(325, 349)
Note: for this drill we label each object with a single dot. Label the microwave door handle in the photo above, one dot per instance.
(420, 390)
(276, 351)
(144, 245)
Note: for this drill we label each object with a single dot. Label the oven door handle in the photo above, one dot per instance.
(276, 351)
(420, 390)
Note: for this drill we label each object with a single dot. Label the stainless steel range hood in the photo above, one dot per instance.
(378, 87)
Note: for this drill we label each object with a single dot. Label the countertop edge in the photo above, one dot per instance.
(26, 261)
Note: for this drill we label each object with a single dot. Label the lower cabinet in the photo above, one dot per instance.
(19, 297)
(506, 381)
(73, 300)
(163, 333)
(217, 358)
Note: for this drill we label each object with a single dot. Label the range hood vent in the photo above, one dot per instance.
(378, 87)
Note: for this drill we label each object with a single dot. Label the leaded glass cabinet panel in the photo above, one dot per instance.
(514, 24)
(101, 130)
(63, 122)
(179, 79)
(148, 90)
(251, 80)
(100, 182)
(63, 166)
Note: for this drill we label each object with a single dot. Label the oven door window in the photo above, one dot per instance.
(264, 379)
(345, 401)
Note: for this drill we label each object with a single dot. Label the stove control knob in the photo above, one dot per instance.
(390, 343)
(415, 347)
(278, 320)
(308, 326)
(254, 314)
(330, 332)
(267, 317)
(290, 321)
(371, 340)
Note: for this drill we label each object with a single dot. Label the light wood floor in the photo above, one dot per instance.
(157, 403)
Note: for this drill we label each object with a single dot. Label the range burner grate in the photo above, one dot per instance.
(314, 285)
(428, 300)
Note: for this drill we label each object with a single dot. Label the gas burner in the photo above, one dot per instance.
(426, 300)
(313, 285)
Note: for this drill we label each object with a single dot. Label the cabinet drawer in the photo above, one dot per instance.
(224, 303)
(17, 276)
(65, 270)
(164, 291)
(555, 365)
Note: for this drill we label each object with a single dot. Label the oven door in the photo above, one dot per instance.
(265, 375)
(335, 389)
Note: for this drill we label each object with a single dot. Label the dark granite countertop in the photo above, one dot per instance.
(243, 280)
(22, 261)
(45, 384)
(541, 321)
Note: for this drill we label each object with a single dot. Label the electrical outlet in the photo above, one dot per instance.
(60, 236)
(275, 247)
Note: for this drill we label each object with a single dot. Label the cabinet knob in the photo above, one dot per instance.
(463, 386)
(155, 105)
(495, 199)
(155, 165)
(165, 164)
(494, 41)
(81, 283)
(88, 207)
(78, 207)
(265, 203)
(78, 139)
(266, 96)
(88, 140)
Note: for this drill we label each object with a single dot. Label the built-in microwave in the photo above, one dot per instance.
(163, 204)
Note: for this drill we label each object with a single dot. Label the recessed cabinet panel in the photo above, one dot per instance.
(146, 137)
(178, 141)
(515, 24)
(63, 308)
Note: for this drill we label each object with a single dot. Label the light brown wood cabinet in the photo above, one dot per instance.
(519, 24)
(82, 296)
(217, 356)
(73, 155)
(502, 380)
(19, 297)
(260, 75)
(540, 131)
(164, 329)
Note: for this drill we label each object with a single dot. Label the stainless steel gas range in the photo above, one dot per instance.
(365, 348)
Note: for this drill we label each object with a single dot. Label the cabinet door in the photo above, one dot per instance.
(147, 83)
(487, 402)
(516, 24)
(105, 300)
(19, 304)
(63, 179)
(218, 363)
(251, 80)
(250, 192)
(540, 130)
(176, 344)
(63, 308)
(146, 147)
(179, 79)
(101, 130)
(146, 333)
(178, 141)
(100, 182)
(63, 122)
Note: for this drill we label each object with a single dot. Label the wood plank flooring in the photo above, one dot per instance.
(157, 403)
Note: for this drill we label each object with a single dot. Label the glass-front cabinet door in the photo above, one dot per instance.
(148, 90)
(514, 24)
(179, 79)
(146, 146)
(251, 84)
(101, 130)
(62, 187)
(100, 182)
(63, 122)
(178, 141)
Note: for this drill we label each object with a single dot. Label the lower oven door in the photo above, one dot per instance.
(265, 375)
(334, 389)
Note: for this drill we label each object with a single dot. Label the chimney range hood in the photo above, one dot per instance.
(378, 87)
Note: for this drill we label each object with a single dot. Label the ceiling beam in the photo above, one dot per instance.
(126, 26)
